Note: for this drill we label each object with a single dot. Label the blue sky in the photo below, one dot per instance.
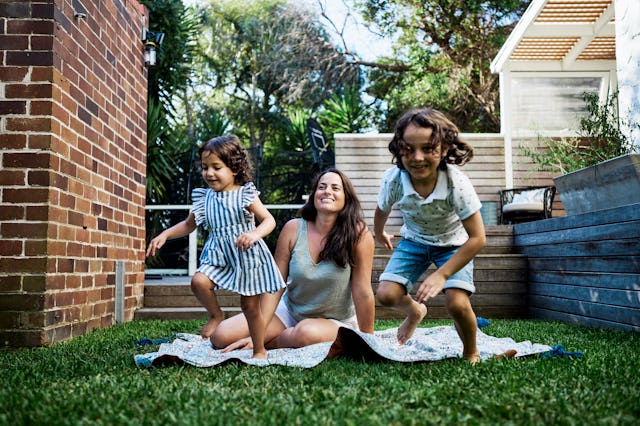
(357, 37)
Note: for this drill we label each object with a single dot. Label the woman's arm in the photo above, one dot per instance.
(361, 290)
(284, 247)
(178, 230)
(434, 284)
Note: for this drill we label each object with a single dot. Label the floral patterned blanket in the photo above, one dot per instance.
(427, 344)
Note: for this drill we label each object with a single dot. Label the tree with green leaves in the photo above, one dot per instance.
(345, 113)
(166, 145)
(261, 59)
(442, 53)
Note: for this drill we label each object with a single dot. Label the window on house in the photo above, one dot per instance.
(550, 104)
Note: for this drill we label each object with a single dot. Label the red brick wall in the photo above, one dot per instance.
(72, 166)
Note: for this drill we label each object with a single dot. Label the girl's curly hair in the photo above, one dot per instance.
(229, 149)
(445, 133)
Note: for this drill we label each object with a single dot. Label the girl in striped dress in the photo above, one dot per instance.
(235, 256)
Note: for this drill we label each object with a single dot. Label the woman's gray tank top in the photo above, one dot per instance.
(316, 290)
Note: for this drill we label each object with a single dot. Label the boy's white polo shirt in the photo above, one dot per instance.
(435, 220)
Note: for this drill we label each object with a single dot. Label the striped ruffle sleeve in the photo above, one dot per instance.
(199, 197)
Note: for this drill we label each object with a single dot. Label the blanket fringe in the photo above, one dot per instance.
(146, 341)
(559, 352)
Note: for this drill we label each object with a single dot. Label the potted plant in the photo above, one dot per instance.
(599, 167)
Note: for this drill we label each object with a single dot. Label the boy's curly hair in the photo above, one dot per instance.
(445, 133)
(229, 149)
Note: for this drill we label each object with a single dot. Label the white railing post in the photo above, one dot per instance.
(193, 252)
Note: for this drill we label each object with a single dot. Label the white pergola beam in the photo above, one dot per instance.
(596, 31)
(556, 66)
(568, 29)
(516, 35)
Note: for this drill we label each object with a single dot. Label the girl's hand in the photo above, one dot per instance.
(430, 287)
(245, 343)
(385, 240)
(245, 241)
(155, 245)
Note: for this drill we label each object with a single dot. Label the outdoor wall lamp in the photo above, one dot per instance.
(151, 42)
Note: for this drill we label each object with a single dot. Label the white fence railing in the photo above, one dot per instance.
(192, 263)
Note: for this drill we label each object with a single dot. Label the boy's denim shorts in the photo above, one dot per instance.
(411, 259)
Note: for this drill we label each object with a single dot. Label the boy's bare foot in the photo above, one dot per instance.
(473, 358)
(410, 323)
(210, 326)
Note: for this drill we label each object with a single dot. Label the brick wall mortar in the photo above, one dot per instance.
(72, 167)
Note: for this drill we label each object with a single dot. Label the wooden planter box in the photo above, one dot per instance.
(584, 269)
(612, 183)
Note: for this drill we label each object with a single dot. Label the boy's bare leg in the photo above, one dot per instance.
(466, 323)
(202, 288)
(394, 295)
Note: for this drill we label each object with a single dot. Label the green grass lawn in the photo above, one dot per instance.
(93, 380)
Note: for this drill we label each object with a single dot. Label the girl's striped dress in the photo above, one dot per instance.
(224, 214)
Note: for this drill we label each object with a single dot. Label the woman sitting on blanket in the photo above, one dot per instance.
(326, 258)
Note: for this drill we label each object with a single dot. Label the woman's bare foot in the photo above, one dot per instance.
(473, 358)
(410, 323)
(210, 326)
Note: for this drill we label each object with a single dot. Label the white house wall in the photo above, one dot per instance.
(628, 62)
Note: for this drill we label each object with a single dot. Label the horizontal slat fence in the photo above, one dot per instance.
(585, 269)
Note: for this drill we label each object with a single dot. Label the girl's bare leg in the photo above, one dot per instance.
(394, 295)
(459, 306)
(251, 308)
(202, 288)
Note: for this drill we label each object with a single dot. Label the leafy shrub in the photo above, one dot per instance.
(599, 138)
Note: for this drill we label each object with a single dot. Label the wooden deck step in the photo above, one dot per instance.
(500, 279)
(499, 239)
